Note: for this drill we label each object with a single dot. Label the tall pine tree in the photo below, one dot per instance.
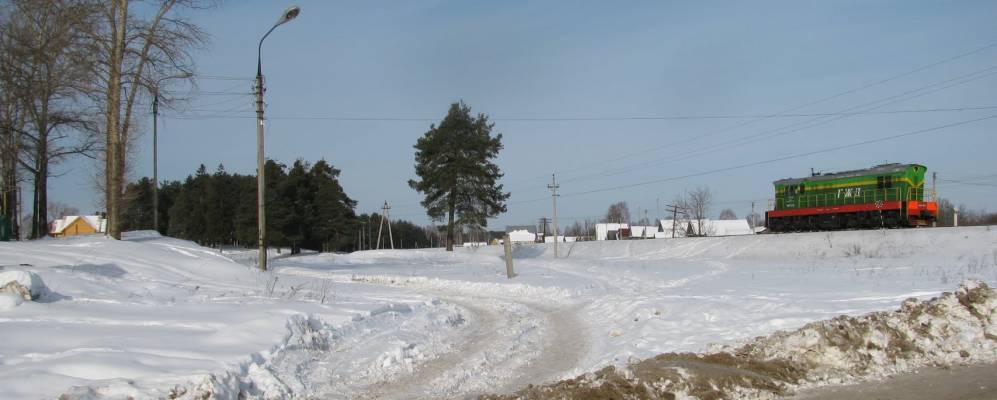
(458, 178)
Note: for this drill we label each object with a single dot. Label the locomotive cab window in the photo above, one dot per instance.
(880, 181)
(889, 181)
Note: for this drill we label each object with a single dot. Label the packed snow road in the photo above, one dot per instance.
(154, 317)
(508, 342)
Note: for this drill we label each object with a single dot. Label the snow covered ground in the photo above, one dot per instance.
(156, 317)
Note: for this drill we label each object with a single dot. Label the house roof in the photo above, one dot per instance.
(95, 221)
(513, 228)
(711, 227)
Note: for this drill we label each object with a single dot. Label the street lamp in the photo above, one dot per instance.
(289, 14)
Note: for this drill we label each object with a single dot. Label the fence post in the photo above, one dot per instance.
(507, 243)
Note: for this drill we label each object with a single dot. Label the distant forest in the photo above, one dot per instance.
(307, 208)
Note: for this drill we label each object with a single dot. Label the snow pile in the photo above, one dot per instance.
(25, 284)
(954, 328)
(958, 327)
(320, 360)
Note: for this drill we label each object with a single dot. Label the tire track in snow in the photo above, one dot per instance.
(515, 342)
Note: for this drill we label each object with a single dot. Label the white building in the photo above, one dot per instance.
(611, 231)
(710, 227)
(562, 239)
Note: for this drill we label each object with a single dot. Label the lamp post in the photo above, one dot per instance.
(289, 14)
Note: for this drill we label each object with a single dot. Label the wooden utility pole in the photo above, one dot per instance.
(387, 215)
(507, 245)
(553, 195)
(384, 215)
(675, 213)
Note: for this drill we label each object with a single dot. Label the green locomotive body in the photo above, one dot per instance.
(884, 195)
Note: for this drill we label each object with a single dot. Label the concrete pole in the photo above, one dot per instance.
(553, 188)
(289, 14)
(260, 175)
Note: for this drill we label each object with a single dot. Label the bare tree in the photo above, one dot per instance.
(138, 55)
(727, 214)
(618, 213)
(11, 124)
(58, 210)
(48, 68)
(697, 203)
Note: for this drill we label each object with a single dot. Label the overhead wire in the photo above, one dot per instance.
(557, 119)
(783, 158)
(796, 127)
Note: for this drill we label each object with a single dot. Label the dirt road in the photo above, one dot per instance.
(972, 382)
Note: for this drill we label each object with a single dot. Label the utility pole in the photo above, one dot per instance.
(752, 217)
(934, 195)
(675, 213)
(934, 189)
(542, 229)
(260, 176)
(289, 14)
(384, 215)
(155, 160)
(553, 195)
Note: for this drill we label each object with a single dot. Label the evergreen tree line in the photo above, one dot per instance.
(306, 208)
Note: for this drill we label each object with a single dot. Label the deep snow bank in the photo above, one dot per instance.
(954, 328)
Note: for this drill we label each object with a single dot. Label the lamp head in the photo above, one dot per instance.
(289, 14)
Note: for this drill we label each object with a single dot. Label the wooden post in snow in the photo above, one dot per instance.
(507, 243)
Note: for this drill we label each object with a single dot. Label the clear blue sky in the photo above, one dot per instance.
(552, 59)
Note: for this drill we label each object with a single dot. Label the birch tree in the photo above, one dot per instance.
(45, 73)
(139, 54)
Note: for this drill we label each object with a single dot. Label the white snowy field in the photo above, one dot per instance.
(157, 317)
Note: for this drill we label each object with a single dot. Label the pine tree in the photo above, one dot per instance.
(168, 193)
(458, 178)
(138, 206)
(334, 221)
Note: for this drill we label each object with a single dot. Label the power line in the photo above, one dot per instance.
(773, 160)
(968, 183)
(560, 119)
(831, 97)
(797, 127)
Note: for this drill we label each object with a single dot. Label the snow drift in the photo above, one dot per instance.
(954, 328)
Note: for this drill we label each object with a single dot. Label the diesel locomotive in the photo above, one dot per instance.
(884, 196)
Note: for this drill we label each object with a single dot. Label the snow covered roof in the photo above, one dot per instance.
(95, 221)
(643, 231)
(522, 235)
(731, 227)
(711, 227)
(513, 228)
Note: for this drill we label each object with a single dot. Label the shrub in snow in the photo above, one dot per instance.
(26, 284)
(954, 328)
